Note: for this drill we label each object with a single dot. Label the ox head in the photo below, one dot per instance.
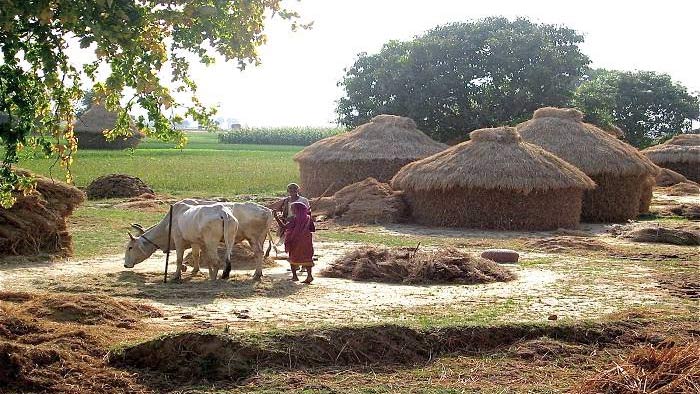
(137, 249)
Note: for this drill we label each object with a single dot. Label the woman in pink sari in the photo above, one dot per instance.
(298, 240)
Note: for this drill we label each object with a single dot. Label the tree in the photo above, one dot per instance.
(137, 42)
(649, 107)
(463, 76)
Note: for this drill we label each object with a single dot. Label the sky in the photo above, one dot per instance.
(296, 85)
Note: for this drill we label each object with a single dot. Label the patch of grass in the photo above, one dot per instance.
(100, 231)
(204, 168)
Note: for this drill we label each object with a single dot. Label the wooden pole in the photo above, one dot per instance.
(167, 251)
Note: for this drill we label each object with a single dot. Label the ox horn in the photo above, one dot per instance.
(130, 236)
(138, 228)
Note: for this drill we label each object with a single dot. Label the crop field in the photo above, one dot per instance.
(203, 168)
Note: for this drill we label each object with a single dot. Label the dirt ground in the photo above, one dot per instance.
(563, 276)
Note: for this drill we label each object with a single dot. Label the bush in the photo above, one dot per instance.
(300, 136)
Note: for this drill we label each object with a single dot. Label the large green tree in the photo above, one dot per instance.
(463, 76)
(648, 107)
(135, 44)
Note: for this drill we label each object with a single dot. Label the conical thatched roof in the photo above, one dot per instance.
(493, 159)
(97, 119)
(385, 137)
(562, 131)
(684, 148)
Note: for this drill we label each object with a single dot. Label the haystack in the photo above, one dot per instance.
(680, 154)
(89, 128)
(618, 169)
(668, 177)
(494, 181)
(406, 265)
(36, 224)
(116, 186)
(377, 149)
(646, 194)
(365, 202)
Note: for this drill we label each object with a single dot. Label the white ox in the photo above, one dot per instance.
(254, 222)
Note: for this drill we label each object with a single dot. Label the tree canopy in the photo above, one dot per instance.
(143, 47)
(649, 107)
(464, 76)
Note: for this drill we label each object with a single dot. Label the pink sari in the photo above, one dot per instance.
(298, 241)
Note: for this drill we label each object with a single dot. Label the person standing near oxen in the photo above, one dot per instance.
(298, 240)
(282, 207)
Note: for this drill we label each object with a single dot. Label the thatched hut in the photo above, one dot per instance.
(680, 154)
(90, 125)
(495, 181)
(377, 149)
(618, 169)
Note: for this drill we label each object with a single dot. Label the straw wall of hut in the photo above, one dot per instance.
(618, 169)
(680, 154)
(377, 149)
(494, 181)
(89, 129)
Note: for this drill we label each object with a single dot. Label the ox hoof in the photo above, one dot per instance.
(224, 276)
(257, 278)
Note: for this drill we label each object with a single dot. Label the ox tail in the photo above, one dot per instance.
(230, 227)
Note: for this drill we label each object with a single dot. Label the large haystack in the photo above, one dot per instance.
(680, 154)
(368, 201)
(618, 169)
(36, 224)
(117, 185)
(377, 149)
(89, 128)
(494, 181)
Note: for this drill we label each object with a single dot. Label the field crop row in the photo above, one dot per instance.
(300, 136)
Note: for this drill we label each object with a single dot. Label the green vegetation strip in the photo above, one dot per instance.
(301, 136)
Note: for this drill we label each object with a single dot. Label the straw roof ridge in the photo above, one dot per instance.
(385, 137)
(683, 148)
(594, 151)
(492, 159)
(97, 119)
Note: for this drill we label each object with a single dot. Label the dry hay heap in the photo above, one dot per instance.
(89, 128)
(242, 257)
(368, 202)
(683, 189)
(55, 343)
(668, 177)
(377, 149)
(646, 194)
(618, 169)
(494, 181)
(405, 265)
(116, 186)
(685, 235)
(36, 223)
(680, 154)
(674, 369)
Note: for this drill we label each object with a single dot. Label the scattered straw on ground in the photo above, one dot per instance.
(115, 186)
(566, 243)
(675, 369)
(242, 258)
(668, 177)
(683, 189)
(368, 201)
(688, 236)
(37, 223)
(404, 265)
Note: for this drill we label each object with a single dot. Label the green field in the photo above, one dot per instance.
(204, 168)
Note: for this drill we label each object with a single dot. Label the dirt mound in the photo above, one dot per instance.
(368, 201)
(664, 235)
(115, 186)
(83, 309)
(41, 355)
(242, 258)
(404, 265)
(668, 177)
(675, 369)
(683, 189)
(189, 356)
(565, 244)
(37, 222)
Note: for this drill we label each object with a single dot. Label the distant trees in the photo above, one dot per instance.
(649, 107)
(463, 76)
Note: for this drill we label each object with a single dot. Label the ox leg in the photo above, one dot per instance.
(180, 251)
(227, 268)
(258, 251)
(213, 260)
(196, 258)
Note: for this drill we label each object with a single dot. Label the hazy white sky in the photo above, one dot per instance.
(296, 84)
